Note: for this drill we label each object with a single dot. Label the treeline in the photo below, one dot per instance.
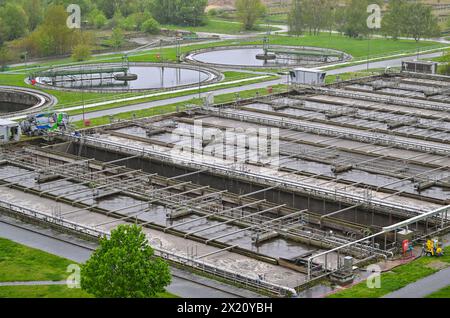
(402, 18)
(39, 26)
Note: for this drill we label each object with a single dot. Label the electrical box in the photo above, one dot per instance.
(9, 131)
(425, 67)
(306, 76)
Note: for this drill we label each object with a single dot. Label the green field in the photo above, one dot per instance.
(42, 291)
(397, 278)
(356, 47)
(443, 293)
(21, 263)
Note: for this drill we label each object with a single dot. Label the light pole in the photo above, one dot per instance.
(368, 52)
(199, 83)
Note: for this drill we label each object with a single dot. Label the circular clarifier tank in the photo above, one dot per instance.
(136, 77)
(275, 56)
(18, 100)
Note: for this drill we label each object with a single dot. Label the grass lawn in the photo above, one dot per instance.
(21, 263)
(443, 293)
(53, 291)
(330, 79)
(356, 47)
(397, 278)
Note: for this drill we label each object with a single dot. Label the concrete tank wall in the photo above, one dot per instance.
(17, 97)
(292, 199)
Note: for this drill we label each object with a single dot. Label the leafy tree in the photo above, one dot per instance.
(141, 17)
(15, 21)
(124, 266)
(151, 26)
(340, 19)
(249, 11)
(53, 37)
(445, 68)
(420, 22)
(117, 19)
(81, 52)
(117, 38)
(5, 57)
(179, 12)
(35, 13)
(295, 18)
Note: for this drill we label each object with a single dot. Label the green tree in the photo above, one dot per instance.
(35, 12)
(2, 31)
(97, 19)
(295, 18)
(413, 20)
(420, 22)
(151, 26)
(117, 38)
(249, 11)
(15, 21)
(129, 23)
(392, 23)
(81, 52)
(124, 266)
(5, 57)
(179, 12)
(117, 19)
(356, 18)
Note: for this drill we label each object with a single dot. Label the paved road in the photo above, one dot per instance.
(79, 251)
(397, 62)
(424, 287)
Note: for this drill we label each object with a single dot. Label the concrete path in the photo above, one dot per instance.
(424, 287)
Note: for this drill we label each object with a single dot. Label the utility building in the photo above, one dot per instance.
(9, 131)
(307, 76)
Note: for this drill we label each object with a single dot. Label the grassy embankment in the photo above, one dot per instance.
(398, 277)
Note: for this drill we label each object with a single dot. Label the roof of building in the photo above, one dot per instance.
(7, 122)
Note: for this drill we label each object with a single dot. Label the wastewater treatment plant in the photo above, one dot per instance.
(255, 163)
